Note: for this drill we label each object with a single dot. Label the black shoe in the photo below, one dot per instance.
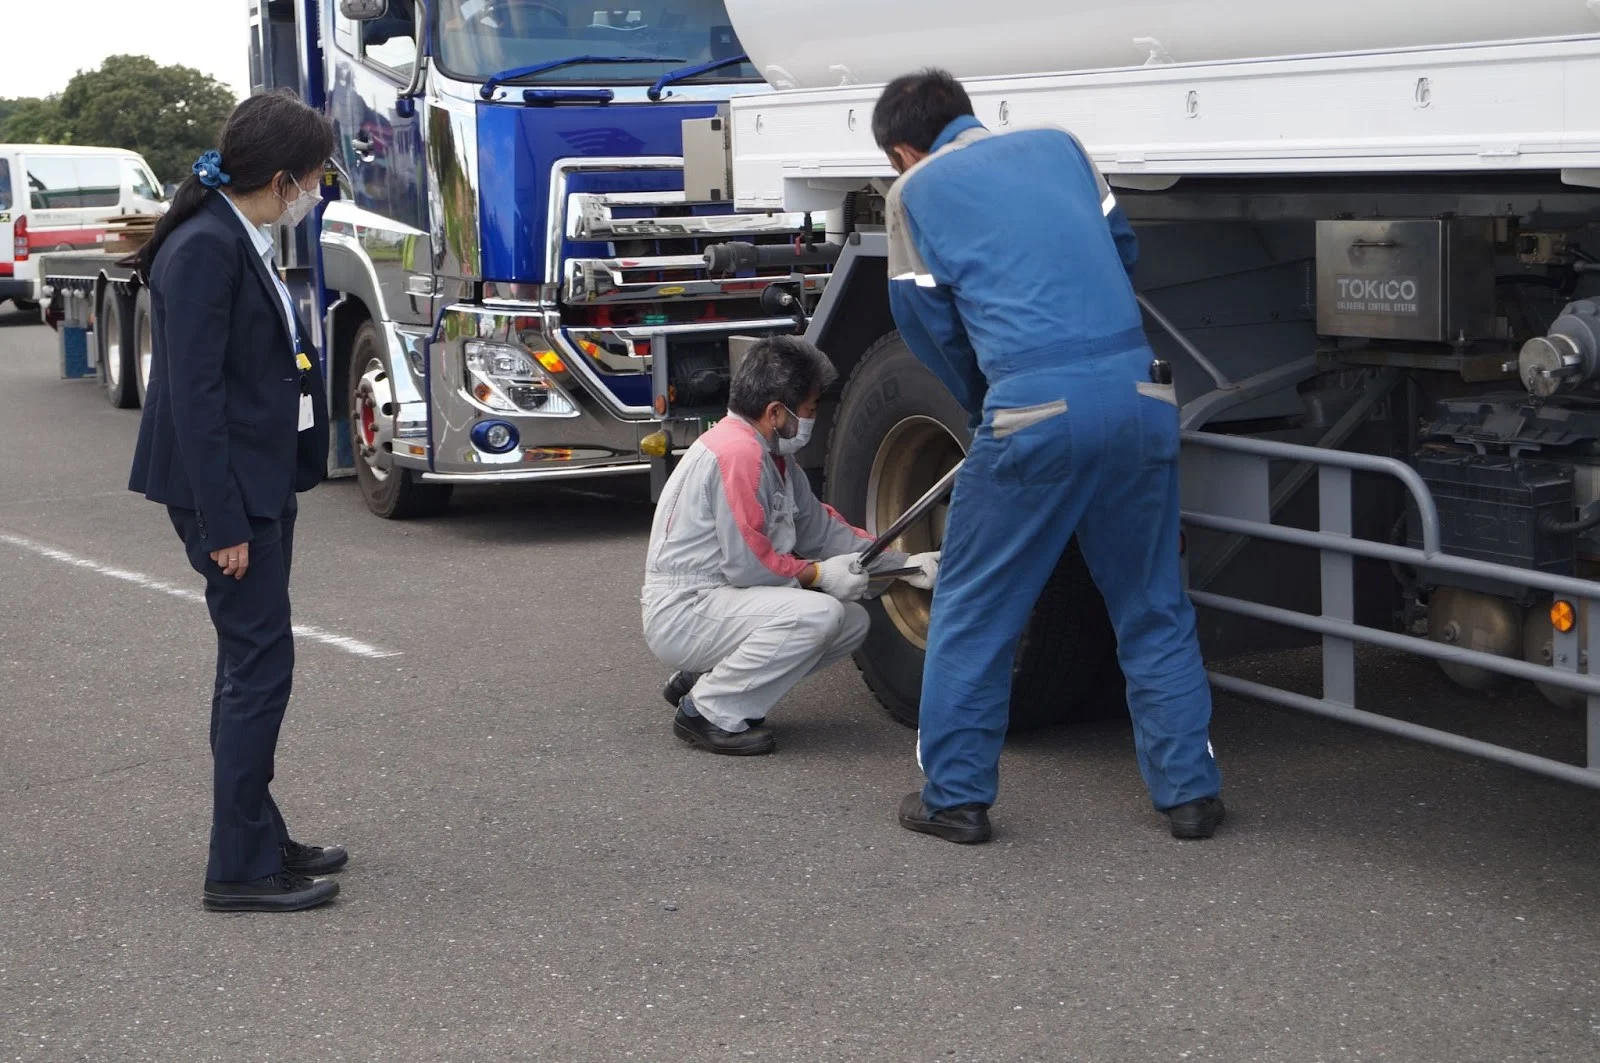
(1196, 819)
(313, 860)
(283, 892)
(679, 685)
(699, 731)
(963, 824)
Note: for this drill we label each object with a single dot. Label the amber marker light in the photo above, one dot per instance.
(1562, 616)
(551, 361)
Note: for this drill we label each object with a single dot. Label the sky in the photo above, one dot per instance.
(47, 42)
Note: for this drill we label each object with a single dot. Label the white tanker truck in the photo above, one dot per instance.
(1369, 239)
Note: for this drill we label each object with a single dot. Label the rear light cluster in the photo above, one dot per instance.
(19, 232)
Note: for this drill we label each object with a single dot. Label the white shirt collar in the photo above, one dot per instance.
(261, 239)
(258, 235)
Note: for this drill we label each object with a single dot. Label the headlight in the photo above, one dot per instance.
(508, 379)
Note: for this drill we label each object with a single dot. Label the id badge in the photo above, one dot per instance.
(308, 417)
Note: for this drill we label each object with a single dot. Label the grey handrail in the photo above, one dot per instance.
(1266, 448)
(1217, 377)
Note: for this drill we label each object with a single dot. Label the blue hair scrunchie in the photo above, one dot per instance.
(209, 169)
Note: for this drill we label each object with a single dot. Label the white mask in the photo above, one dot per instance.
(792, 444)
(296, 209)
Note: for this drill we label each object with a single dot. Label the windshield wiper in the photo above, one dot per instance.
(487, 92)
(684, 73)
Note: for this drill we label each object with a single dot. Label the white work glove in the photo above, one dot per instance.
(843, 577)
(929, 563)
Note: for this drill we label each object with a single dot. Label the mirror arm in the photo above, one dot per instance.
(419, 69)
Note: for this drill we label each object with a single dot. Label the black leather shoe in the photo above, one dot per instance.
(963, 824)
(313, 860)
(1196, 819)
(699, 731)
(283, 892)
(679, 685)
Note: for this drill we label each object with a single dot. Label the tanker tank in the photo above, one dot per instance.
(870, 41)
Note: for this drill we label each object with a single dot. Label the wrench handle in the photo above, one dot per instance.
(919, 508)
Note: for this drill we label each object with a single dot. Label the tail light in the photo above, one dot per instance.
(19, 232)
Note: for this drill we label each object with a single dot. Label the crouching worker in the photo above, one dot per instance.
(730, 597)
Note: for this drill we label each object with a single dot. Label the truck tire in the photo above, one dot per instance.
(390, 492)
(143, 344)
(113, 327)
(897, 430)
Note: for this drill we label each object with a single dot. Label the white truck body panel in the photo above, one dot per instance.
(1511, 106)
(870, 41)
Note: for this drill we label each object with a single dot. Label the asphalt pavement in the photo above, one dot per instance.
(541, 871)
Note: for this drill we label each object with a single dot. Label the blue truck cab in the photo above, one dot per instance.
(506, 243)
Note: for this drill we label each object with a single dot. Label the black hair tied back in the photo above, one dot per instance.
(266, 135)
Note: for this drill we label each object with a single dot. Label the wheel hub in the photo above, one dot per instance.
(372, 409)
(913, 456)
(113, 349)
(146, 351)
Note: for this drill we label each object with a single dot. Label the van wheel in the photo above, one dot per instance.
(113, 328)
(26, 306)
(143, 344)
(389, 491)
(897, 431)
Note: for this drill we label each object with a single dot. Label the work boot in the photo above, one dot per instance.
(699, 731)
(283, 892)
(1196, 819)
(679, 685)
(963, 824)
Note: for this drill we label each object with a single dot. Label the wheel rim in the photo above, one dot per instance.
(372, 419)
(913, 456)
(146, 352)
(113, 325)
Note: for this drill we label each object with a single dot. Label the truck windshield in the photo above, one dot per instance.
(479, 38)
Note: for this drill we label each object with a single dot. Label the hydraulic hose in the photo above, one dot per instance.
(1550, 526)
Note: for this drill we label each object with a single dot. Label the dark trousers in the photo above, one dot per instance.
(255, 671)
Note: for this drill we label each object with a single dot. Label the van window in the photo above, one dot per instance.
(5, 184)
(52, 182)
(56, 182)
(99, 181)
(139, 179)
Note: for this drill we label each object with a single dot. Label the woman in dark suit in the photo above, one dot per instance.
(234, 425)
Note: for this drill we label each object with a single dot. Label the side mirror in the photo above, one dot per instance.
(363, 10)
(169, 190)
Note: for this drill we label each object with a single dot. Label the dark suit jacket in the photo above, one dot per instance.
(219, 433)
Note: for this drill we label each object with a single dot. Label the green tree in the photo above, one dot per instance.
(29, 120)
(168, 114)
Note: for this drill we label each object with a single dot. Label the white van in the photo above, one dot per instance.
(58, 197)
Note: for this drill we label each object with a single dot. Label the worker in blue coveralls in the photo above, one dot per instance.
(1009, 267)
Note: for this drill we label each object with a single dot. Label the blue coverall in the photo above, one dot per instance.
(1009, 270)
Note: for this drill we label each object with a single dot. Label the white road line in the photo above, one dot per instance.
(305, 631)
